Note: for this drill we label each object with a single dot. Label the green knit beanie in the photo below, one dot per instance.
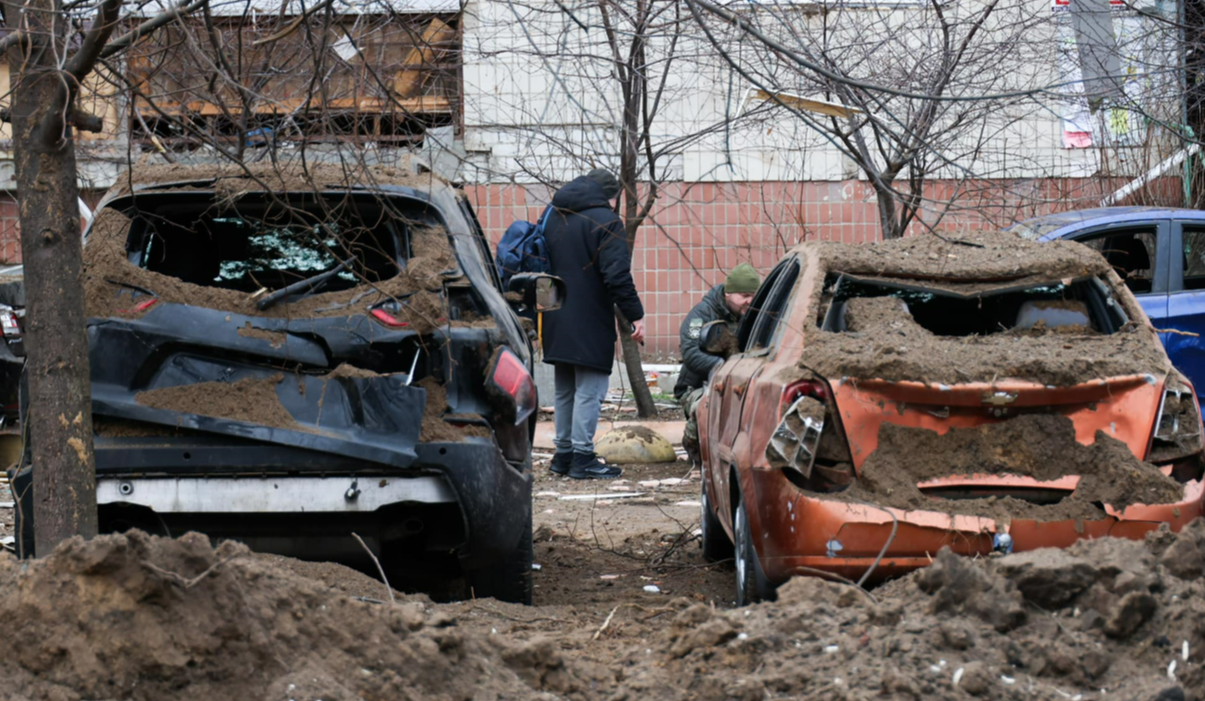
(742, 280)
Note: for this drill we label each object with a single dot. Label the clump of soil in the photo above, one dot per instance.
(883, 341)
(137, 617)
(978, 256)
(1041, 446)
(417, 290)
(1102, 620)
(274, 338)
(435, 429)
(250, 400)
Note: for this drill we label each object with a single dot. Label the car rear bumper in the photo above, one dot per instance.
(264, 493)
(816, 535)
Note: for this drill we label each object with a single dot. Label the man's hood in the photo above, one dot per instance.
(580, 194)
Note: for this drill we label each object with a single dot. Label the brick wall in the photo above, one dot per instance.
(696, 232)
(10, 232)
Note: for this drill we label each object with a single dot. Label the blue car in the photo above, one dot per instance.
(1160, 253)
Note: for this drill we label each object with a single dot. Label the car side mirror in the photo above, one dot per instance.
(537, 292)
(715, 338)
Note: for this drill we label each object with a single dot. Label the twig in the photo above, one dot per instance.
(377, 562)
(1177, 332)
(606, 623)
(508, 617)
(294, 25)
(180, 579)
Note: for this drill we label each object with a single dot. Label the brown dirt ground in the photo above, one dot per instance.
(1041, 446)
(150, 618)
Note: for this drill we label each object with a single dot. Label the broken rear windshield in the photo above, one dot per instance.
(262, 244)
(1075, 306)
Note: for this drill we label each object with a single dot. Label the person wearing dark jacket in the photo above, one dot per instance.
(726, 302)
(588, 250)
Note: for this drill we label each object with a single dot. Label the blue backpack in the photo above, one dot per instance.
(523, 249)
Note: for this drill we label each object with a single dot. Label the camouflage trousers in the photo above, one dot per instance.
(690, 436)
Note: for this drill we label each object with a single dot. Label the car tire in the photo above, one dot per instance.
(716, 545)
(752, 585)
(510, 579)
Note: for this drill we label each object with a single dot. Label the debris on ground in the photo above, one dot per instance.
(140, 617)
(634, 445)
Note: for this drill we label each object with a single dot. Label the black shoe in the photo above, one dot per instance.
(586, 466)
(561, 462)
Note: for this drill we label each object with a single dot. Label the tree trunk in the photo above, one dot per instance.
(645, 407)
(60, 392)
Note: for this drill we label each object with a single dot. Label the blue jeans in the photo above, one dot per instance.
(579, 396)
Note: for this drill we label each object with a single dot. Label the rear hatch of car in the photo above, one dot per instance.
(1021, 391)
(337, 323)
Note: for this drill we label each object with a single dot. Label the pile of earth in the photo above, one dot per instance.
(1039, 446)
(148, 618)
(883, 341)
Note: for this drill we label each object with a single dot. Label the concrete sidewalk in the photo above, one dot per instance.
(670, 430)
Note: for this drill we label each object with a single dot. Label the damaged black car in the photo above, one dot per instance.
(288, 358)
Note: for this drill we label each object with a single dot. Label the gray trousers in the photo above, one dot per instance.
(579, 395)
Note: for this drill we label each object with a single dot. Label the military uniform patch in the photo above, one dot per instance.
(695, 328)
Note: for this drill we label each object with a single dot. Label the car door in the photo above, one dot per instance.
(1141, 252)
(731, 382)
(1186, 302)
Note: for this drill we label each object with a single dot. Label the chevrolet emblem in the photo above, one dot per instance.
(999, 398)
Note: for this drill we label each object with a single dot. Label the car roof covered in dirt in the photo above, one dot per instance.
(291, 176)
(977, 256)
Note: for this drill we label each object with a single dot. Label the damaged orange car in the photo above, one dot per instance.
(986, 394)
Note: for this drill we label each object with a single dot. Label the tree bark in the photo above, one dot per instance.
(60, 393)
(634, 366)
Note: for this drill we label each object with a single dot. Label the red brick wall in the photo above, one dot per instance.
(10, 232)
(697, 232)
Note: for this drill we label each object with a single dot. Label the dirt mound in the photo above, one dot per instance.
(1041, 446)
(883, 341)
(138, 617)
(107, 266)
(980, 256)
(1103, 620)
(251, 400)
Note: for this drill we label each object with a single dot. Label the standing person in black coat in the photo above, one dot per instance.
(588, 250)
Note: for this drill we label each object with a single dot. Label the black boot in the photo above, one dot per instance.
(561, 462)
(587, 466)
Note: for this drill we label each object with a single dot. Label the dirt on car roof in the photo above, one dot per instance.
(979, 256)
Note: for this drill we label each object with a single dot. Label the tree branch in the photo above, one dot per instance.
(80, 65)
(123, 42)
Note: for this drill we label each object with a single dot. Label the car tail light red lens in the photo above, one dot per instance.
(9, 324)
(803, 388)
(141, 306)
(509, 377)
(388, 319)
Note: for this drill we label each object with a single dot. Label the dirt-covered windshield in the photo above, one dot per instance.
(1056, 332)
(258, 244)
(1066, 307)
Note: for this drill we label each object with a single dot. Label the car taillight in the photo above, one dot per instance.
(802, 388)
(140, 307)
(387, 313)
(9, 324)
(1177, 432)
(510, 380)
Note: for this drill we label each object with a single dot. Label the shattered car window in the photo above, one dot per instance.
(1067, 307)
(260, 245)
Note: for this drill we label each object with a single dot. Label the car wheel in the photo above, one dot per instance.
(752, 585)
(716, 545)
(509, 580)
